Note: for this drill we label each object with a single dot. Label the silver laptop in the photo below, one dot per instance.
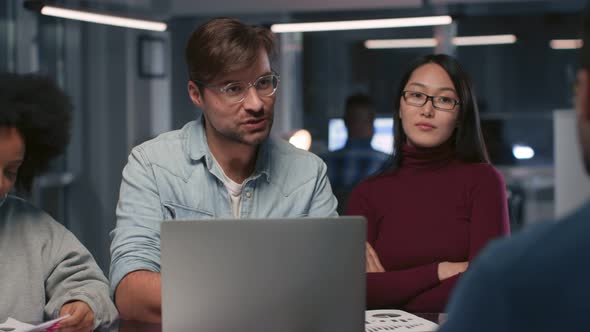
(288, 275)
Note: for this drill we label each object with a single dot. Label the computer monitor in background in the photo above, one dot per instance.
(382, 139)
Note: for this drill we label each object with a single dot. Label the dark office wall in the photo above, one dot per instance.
(183, 110)
(101, 134)
(7, 40)
(528, 76)
(115, 112)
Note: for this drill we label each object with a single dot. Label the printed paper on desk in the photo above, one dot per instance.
(13, 325)
(396, 320)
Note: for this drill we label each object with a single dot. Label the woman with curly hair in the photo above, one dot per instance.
(47, 272)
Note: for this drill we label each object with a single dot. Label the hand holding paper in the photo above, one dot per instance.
(13, 325)
(81, 317)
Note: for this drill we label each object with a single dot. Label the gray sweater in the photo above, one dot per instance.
(44, 266)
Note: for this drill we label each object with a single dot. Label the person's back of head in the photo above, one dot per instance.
(537, 270)
(41, 113)
(358, 116)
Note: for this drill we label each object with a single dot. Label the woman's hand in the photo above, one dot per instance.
(373, 263)
(447, 270)
(81, 317)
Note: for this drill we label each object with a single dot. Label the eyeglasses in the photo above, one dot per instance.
(236, 92)
(419, 99)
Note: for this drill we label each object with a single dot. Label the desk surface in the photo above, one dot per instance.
(133, 326)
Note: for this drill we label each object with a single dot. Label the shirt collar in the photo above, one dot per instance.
(198, 149)
(197, 141)
(263, 160)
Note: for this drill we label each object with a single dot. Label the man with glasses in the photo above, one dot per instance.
(223, 165)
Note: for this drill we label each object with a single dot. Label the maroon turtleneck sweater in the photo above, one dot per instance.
(433, 209)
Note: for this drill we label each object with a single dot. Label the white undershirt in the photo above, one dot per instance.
(235, 195)
(235, 192)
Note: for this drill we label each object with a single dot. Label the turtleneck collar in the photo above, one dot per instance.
(427, 158)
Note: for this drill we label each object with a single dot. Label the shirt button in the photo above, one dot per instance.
(248, 194)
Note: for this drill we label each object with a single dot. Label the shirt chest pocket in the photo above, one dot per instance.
(175, 211)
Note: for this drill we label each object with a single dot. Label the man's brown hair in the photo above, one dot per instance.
(224, 45)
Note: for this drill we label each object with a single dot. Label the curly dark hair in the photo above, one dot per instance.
(41, 112)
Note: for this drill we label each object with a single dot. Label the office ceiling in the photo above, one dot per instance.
(217, 7)
(446, 2)
(182, 7)
(173, 8)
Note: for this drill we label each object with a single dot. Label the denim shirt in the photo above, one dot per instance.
(174, 176)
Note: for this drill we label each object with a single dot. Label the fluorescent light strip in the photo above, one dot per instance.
(362, 24)
(484, 40)
(431, 42)
(400, 43)
(103, 19)
(565, 44)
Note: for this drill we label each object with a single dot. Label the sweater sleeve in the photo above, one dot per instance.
(396, 288)
(434, 299)
(359, 205)
(75, 276)
(489, 220)
(489, 211)
(390, 288)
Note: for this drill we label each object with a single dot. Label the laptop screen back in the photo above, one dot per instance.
(264, 275)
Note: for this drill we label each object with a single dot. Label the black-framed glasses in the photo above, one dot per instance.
(419, 99)
(236, 92)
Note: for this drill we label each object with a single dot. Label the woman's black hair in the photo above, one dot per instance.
(41, 112)
(467, 139)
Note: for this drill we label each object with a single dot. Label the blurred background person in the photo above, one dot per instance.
(357, 159)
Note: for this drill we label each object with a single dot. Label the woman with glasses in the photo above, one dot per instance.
(46, 272)
(439, 201)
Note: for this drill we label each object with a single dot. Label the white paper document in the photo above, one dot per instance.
(13, 325)
(396, 320)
